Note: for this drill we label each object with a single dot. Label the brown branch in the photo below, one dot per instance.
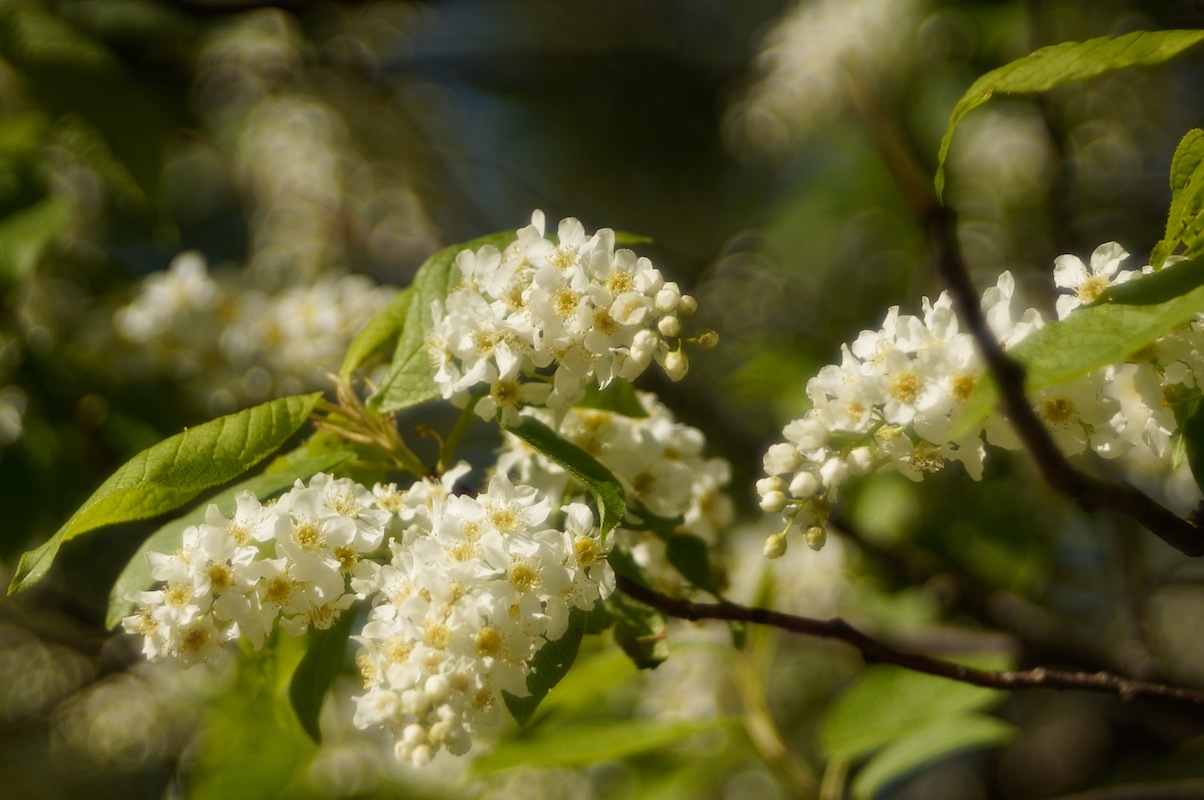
(876, 652)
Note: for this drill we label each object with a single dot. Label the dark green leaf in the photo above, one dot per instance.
(1183, 223)
(691, 556)
(175, 471)
(136, 576)
(589, 744)
(549, 665)
(887, 702)
(639, 629)
(378, 333)
(26, 234)
(323, 660)
(410, 379)
(581, 465)
(1193, 442)
(1065, 63)
(939, 739)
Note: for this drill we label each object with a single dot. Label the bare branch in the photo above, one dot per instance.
(876, 652)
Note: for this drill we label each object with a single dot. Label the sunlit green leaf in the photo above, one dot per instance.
(410, 379)
(378, 333)
(1183, 223)
(1162, 286)
(581, 465)
(549, 665)
(887, 702)
(589, 744)
(136, 576)
(941, 738)
(175, 471)
(323, 660)
(1065, 63)
(1090, 338)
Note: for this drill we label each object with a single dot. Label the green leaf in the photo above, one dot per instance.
(173, 472)
(590, 744)
(1193, 442)
(940, 739)
(26, 234)
(1090, 338)
(383, 329)
(1183, 222)
(581, 465)
(136, 576)
(1162, 286)
(887, 702)
(618, 396)
(639, 629)
(323, 660)
(549, 665)
(690, 556)
(410, 379)
(72, 73)
(1065, 63)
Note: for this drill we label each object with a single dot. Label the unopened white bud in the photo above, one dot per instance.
(422, 755)
(767, 485)
(781, 458)
(413, 735)
(668, 298)
(676, 365)
(775, 546)
(807, 434)
(669, 326)
(860, 460)
(687, 306)
(805, 484)
(773, 502)
(436, 687)
(834, 471)
(815, 536)
(708, 339)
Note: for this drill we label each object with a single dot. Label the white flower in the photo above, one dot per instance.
(1088, 283)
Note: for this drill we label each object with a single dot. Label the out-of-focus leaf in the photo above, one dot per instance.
(1060, 64)
(71, 73)
(581, 465)
(941, 738)
(1183, 222)
(1193, 442)
(618, 396)
(136, 576)
(410, 379)
(640, 630)
(690, 556)
(323, 660)
(25, 235)
(549, 665)
(886, 702)
(379, 332)
(173, 472)
(589, 744)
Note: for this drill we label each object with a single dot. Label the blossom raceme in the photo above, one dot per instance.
(466, 591)
(578, 306)
(891, 403)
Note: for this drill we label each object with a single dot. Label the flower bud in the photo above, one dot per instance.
(805, 484)
(815, 536)
(687, 306)
(669, 326)
(668, 298)
(708, 339)
(775, 546)
(781, 459)
(773, 502)
(676, 365)
(860, 460)
(767, 485)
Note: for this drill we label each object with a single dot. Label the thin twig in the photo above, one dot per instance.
(876, 652)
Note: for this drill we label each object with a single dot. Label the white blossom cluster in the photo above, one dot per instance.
(594, 312)
(470, 589)
(659, 462)
(235, 343)
(892, 402)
